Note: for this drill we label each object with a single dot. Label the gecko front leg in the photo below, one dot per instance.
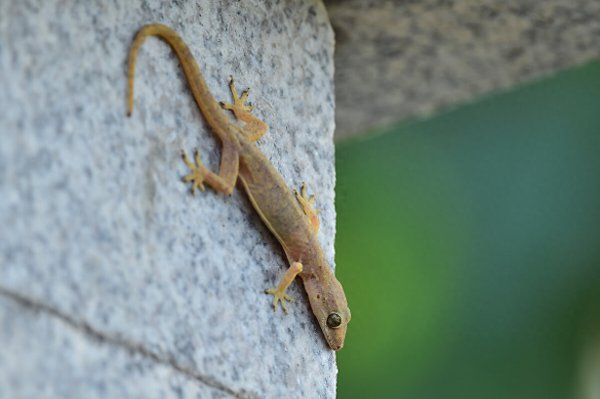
(308, 208)
(279, 292)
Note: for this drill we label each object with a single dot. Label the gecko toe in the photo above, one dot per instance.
(279, 298)
(196, 177)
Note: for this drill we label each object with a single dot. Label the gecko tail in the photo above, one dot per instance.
(207, 104)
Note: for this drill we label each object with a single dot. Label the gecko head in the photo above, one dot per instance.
(328, 303)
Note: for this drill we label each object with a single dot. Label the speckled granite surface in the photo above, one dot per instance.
(398, 59)
(78, 366)
(112, 276)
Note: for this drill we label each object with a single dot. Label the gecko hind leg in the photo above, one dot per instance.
(279, 292)
(224, 182)
(198, 171)
(254, 127)
(308, 208)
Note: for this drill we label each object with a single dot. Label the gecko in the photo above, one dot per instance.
(289, 215)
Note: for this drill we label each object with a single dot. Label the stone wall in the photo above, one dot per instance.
(116, 282)
(401, 59)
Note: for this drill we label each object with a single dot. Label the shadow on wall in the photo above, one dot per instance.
(469, 248)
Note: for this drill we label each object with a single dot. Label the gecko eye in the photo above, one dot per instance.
(334, 320)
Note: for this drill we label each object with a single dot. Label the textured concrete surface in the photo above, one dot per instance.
(401, 59)
(69, 364)
(114, 280)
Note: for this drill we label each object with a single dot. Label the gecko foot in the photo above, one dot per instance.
(198, 171)
(307, 206)
(279, 292)
(239, 105)
(279, 297)
(253, 128)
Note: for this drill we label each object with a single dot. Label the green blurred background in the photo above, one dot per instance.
(469, 247)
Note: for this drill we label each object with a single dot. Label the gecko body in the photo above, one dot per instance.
(289, 216)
